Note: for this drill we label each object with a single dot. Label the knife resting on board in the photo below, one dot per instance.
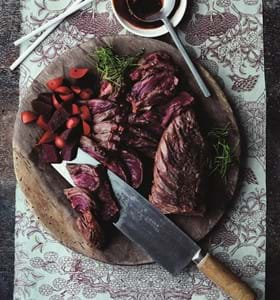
(166, 243)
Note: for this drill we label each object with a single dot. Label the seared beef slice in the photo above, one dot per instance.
(84, 176)
(180, 168)
(96, 180)
(155, 82)
(85, 206)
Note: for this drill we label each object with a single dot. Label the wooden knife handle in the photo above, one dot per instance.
(225, 279)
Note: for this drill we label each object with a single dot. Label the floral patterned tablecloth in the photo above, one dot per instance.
(226, 36)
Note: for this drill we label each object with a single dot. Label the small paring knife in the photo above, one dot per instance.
(167, 244)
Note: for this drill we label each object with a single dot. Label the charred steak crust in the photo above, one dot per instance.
(180, 168)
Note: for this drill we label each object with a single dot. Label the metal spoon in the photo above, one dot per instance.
(162, 14)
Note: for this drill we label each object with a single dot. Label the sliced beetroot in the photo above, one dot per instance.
(93, 149)
(134, 167)
(56, 101)
(67, 97)
(69, 151)
(63, 90)
(50, 154)
(28, 117)
(67, 134)
(72, 122)
(76, 89)
(78, 73)
(84, 176)
(75, 109)
(47, 137)
(86, 94)
(59, 118)
(176, 106)
(85, 113)
(41, 122)
(86, 128)
(59, 142)
(42, 108)
(55, 83)
(45, 97)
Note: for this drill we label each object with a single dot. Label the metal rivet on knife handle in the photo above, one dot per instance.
(225, 279)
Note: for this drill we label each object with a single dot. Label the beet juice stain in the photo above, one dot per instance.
(141, 8)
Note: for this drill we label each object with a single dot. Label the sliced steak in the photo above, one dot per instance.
(153, 90)
(82, 201)
(133, 167)
(108, 205)
(95, 180)
(180, 168)
(154, 62)
(154, 80)
(84, 176)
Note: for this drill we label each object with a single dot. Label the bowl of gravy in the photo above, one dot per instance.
(143, 7)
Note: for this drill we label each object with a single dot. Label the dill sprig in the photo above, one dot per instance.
(113, 67)
(222, 154)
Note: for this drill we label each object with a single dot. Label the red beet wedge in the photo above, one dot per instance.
(47, 137)
(63, 90)
(55, 83)
(78, 73)
(42, 123)
(28, 117)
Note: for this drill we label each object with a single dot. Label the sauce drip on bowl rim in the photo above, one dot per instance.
(144, 8)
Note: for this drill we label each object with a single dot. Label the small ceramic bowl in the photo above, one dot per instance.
(152, 32)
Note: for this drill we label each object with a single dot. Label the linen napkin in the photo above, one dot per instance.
(226, 36)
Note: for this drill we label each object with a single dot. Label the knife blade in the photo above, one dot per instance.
(166, 243)
(156, 232)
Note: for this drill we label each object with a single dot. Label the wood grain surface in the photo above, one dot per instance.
(44, 187)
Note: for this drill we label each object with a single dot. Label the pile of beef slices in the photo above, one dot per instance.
(147, 126)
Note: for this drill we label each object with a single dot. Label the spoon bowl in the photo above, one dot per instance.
(166, 10)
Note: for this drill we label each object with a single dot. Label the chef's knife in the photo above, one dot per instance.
(167, 244)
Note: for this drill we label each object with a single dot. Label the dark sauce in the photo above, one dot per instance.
(142, 8)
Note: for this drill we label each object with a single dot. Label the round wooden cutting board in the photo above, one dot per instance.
(44, 187)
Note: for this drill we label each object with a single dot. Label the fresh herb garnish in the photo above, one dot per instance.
(113, 67)
(222, 154)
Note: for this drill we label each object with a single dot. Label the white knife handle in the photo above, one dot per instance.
(225, 279)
